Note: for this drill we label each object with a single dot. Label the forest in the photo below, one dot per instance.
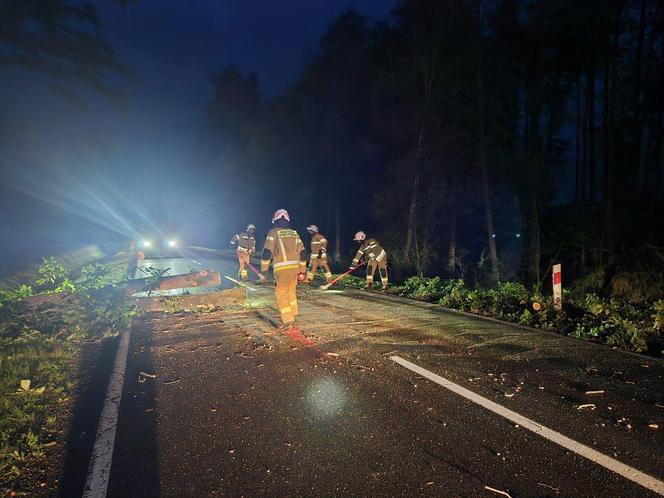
(483, 140)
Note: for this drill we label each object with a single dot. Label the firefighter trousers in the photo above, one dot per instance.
(321, 263)
(381, 266)
(285, 294)
(243, 258)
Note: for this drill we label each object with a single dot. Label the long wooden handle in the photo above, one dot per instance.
(342, 276)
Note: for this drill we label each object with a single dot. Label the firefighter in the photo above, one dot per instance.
(285, 249)
(318, 255)
(245, 243)
(375, 257)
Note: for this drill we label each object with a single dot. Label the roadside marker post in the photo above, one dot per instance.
(557, 287)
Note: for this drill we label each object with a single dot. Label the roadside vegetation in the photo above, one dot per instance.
(43, 330)
(633, 326)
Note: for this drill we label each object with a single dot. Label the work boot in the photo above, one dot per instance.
(285, 327)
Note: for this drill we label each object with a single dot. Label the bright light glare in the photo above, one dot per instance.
(172, 243)
(146, 243)
(326, 398)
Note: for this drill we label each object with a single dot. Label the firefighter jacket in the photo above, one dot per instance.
(318, 246)
(371, 250)
(285, 249)
(244, 242)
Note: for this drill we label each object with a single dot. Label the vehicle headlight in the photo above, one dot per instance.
(172, 243)
(146, 243)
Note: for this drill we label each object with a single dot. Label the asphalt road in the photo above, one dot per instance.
(236, 409)
(193, 259)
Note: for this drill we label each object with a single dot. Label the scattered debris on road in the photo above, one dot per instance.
(547, 486)
(504, 493)
(590, 406)
(143, 376)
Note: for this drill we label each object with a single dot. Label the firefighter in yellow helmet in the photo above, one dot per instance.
(318, 255)
(245, 244)
(285, 249)
(375, 257)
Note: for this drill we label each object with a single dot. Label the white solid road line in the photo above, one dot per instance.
(605, 461)
(99, 470)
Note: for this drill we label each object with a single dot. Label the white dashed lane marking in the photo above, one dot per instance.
(605, 461)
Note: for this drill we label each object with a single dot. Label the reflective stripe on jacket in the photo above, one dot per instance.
(286, 250)
(318, 245)
(244, 242)
(371, 250)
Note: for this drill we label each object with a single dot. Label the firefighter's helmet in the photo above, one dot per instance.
(280, 213)
(250, 227)
(360, 236)
(312, 229)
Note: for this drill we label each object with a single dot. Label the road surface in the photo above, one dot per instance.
(219, 404)
(194, 259)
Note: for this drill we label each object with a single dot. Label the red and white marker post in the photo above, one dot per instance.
(557, 287)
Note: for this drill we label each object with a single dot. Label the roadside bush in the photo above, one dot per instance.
(478, 300)
(52, 274)
(613, 321)
(658, 316)
(39, 344)
(15, 295)
(430, 289)
(456, 295)
(510, 299)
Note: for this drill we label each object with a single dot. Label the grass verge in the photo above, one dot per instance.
(43, 329)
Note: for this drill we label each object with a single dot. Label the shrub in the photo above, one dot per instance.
(423, 288)
(510, 300)
(456, 295)
(52, 273)
(626, 334)
(351, 282)
(479, 299)
(658, 315)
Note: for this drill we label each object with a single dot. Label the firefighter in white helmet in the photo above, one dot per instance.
(245, 245)
(318, 255)
(375, 257)
(284, 248)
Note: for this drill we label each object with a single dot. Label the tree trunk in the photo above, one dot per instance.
(609, 173)
(484, 177)
(590, 131)
(656, 181)
(638, 123)
(337, 234)
(531, 249)
(411, 230)
(452, 212)
(577, 163)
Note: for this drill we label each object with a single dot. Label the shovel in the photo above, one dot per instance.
(258, 274)
(327, 286)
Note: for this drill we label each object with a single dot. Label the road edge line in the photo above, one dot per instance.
(438, 308)
(624, 470)
(96, 483)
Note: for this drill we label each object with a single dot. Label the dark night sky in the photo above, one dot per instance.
(90, 158)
